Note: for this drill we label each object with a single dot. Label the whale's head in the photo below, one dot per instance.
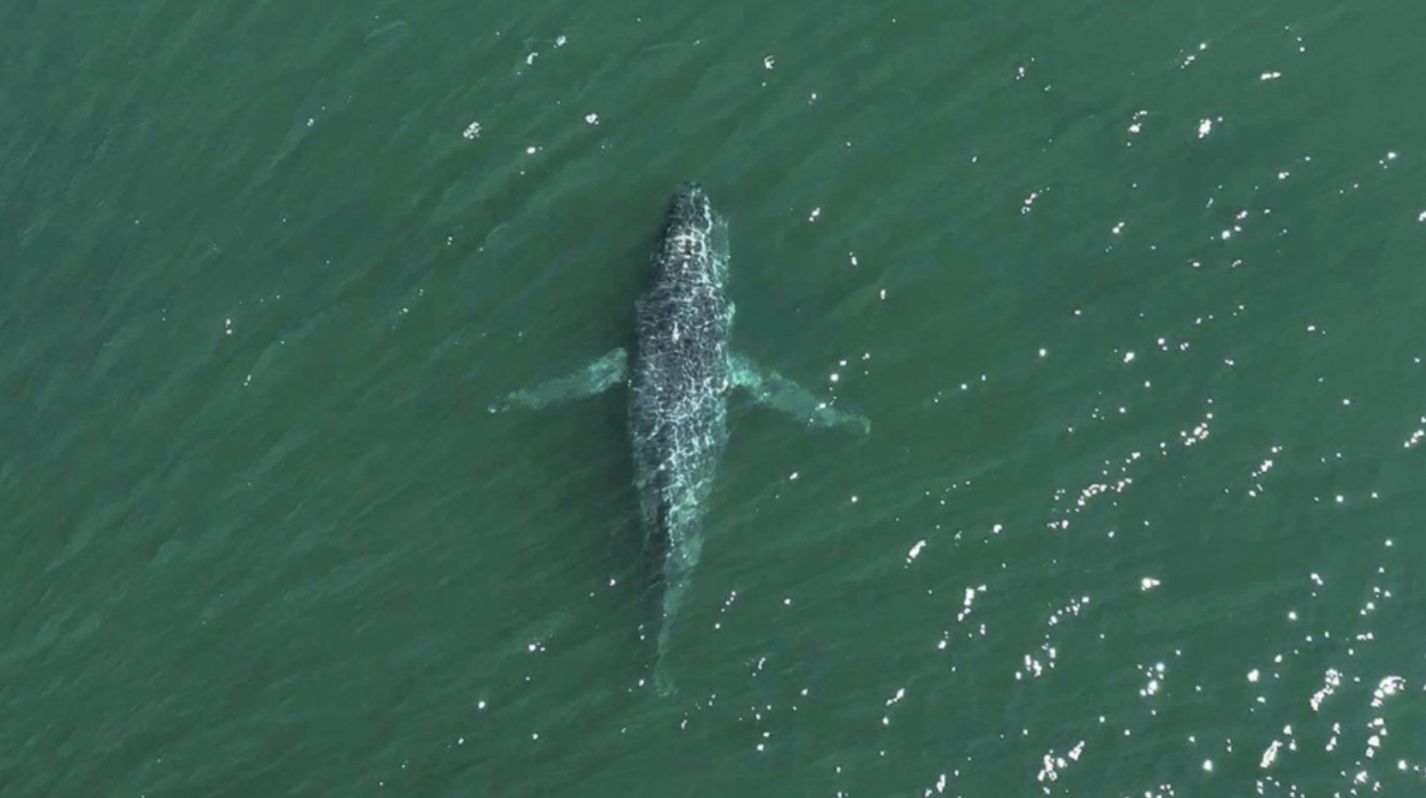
(691, 207)
(695, 244)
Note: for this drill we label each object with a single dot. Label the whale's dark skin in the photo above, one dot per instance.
(679, 382)
(678, 399)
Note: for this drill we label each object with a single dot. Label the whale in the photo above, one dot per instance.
(679, 377)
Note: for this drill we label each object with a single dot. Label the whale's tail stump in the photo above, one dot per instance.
(673, 594)
(663, 683)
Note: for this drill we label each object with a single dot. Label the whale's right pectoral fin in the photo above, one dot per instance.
(780, 393)
(595, 378)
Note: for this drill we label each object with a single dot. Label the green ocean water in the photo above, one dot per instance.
(1132, 293)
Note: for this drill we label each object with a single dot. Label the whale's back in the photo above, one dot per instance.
(678, 418)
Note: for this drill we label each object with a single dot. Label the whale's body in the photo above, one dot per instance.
(678, 408)
(680, 378)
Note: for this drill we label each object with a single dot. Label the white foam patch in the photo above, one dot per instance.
(1051, 764)
(915, 551)
(1270, 755)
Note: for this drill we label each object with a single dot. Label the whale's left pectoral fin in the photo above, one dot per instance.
(769, 388)
(594, 378)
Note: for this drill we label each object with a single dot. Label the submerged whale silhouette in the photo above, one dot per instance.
(680, 379)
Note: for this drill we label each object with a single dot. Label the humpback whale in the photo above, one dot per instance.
(679, 378)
